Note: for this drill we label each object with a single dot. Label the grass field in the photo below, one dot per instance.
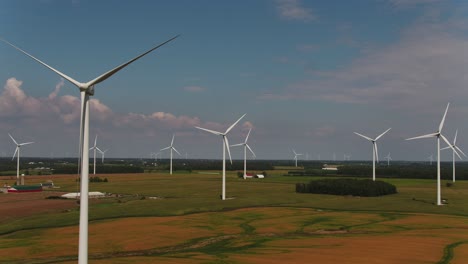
(263, 221)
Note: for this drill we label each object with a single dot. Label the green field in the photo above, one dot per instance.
(263, 221)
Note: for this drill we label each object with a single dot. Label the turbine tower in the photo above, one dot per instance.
(246, 146)
(86, 90)
(454, 146)
(438, 135)
(375, 152)
(295, 156)
(225, 146)
(431, 159)
(171, 147)
(17, 154)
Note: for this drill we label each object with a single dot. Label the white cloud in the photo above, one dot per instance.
(293, 10)
(18, 106)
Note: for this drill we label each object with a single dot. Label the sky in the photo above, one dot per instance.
(307, 74)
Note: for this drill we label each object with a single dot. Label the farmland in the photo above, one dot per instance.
(180, 219)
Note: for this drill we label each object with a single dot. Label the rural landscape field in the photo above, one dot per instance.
(154, 218)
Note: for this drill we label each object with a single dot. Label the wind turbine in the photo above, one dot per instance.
(438, 135)
(17, 154)
(454, 146)
(431, 158)
(102, 154)
(246, 146)
(86, 90)
(171, 147)
(375, 152)
(295, 156)
(388, 158)
(225, 146)
(94, 148)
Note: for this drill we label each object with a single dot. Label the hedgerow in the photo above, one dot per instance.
(355, 187)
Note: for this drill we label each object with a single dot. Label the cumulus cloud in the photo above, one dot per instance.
(293, 10)
(16, 104)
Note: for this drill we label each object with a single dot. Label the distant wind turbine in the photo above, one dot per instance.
(86, 90)
(454, 146)
(388, 158)
(225, 146)
(17, 154)
(171, 147)
(296, 155)
(438, 135)
(375, 152)
(431, 159)
(246, 146)
(103, 153)
(95, 148)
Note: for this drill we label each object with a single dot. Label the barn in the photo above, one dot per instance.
(24, 188)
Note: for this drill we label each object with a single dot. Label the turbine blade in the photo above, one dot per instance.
(237, 145)
(211, 131)
(95, 141)
(424, 136)
(248, 134)
(229, 129)
(99, 150)
(226, 141)
(14, 154)
(172, 141)
(443, 118)
(165, 148)
(366, 137)
(445, 148)
(376, 152)
(294, 152)
(27, 143)
(118, 68)
(13, 139)
(251, 151)
(450, 145)
(76, 83)
(176, 151)
(377, 138)
(458, 149)
(455, 138)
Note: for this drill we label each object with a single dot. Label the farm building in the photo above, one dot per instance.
(248, 175)
(330, 167)
(77, 195)
(24, 188)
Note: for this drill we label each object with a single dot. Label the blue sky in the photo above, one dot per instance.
(307, 73)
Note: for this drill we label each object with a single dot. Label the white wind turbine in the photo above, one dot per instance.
(246, 146)
(225, 146)
(431, 159)
(86, 90)
(438, 135)
(94, 148)
(375, 152)
(388, 158)
(17, 154)
(171, 147)
(103, 153)
(295, 156)
(454, 146)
